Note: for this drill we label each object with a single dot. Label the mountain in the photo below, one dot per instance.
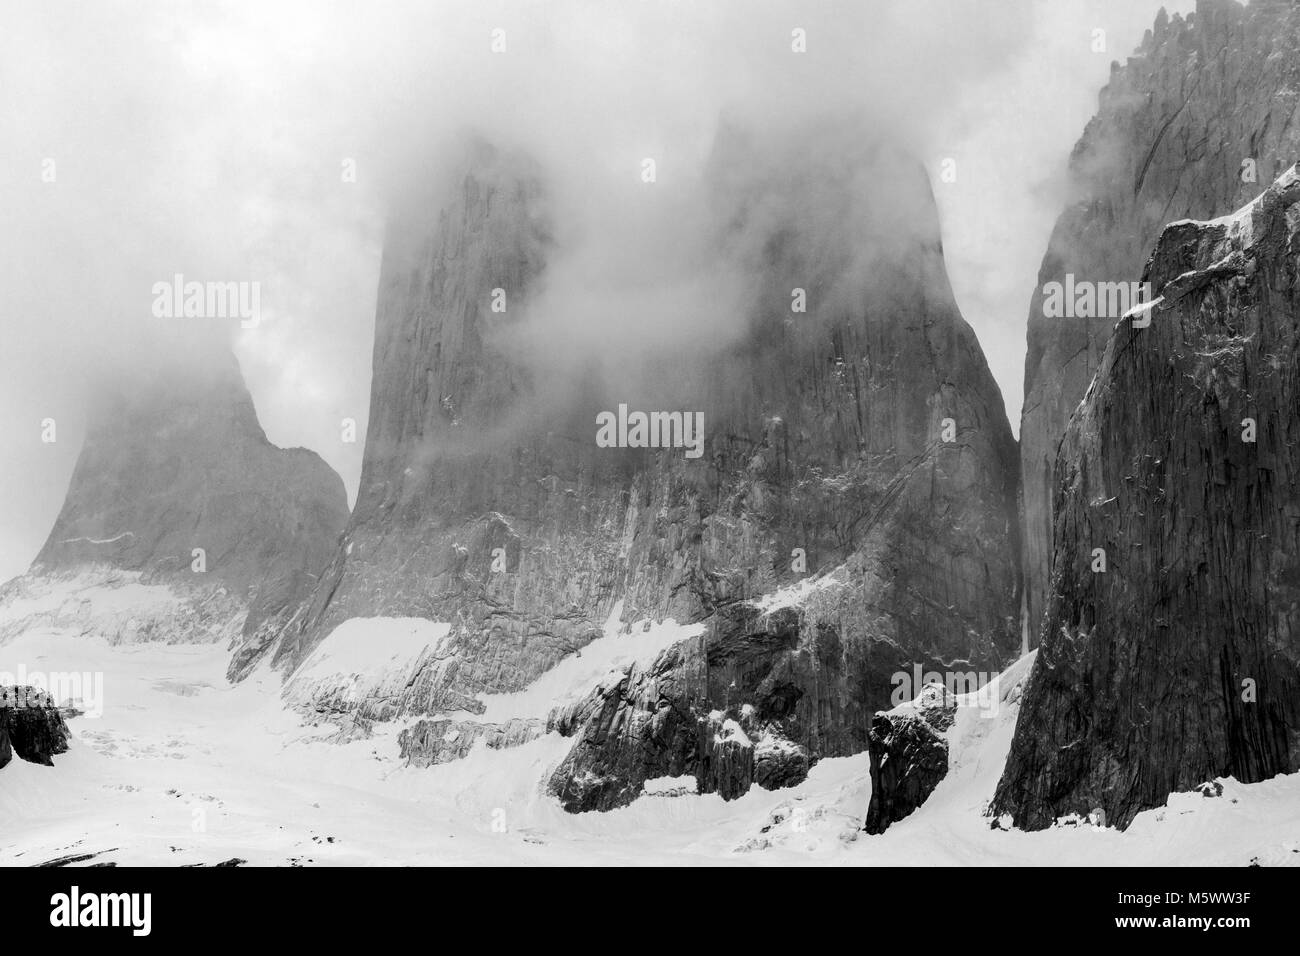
(857, 469)
(1198, 121)
(180, 506)
(1171, 643)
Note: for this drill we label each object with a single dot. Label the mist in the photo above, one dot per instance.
(269, 142)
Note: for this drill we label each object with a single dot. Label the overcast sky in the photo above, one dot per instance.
(143, 139)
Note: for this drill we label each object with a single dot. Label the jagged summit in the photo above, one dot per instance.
(1177, 660)
(1202, 117)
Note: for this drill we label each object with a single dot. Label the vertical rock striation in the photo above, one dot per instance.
(838, 447)
(866, 434)
(909, 758)
(1174, 129)
(1180, 661)
(461, 461)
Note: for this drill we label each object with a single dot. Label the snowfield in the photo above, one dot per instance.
(183, 768)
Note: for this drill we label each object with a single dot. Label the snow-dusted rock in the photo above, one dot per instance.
(909, 756)
(31, 726)
(1180, 662)
(1201, 118)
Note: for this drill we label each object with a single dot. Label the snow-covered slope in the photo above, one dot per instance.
(183, 768)
(181, 521)
(119, 606)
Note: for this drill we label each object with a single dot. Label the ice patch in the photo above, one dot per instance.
(368, 645)
(794, 595)
(365, 658)
(732, 731)
(671, 786)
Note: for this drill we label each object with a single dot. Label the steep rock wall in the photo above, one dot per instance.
(1174, 127)
(1171, 645)
(867, 433)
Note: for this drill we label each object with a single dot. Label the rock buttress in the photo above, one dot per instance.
(1180, 477)
(1199, 119)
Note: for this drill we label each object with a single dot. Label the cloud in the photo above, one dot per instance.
(268, 141)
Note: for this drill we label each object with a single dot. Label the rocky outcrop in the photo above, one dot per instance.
(909, 757)
(660, 721)
(1171, 645)
(180, 504)
(860, 443)
(1199, 119)
(31, 726)
(429, 742)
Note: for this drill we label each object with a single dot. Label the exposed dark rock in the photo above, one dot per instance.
(74, 858)
(728, 708)
(779, 763)
(30, 726)
(234, 861)
(1180, 662)
(909, 757)
(758, 698)
(883, 521)
(1171, 138)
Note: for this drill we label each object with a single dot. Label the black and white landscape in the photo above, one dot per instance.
(650, 433)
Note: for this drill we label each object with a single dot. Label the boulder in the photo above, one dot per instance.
(31, 726)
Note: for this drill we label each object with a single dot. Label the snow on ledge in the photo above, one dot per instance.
(372, 645)
(671, 786)
(794, 595)
(604, 660)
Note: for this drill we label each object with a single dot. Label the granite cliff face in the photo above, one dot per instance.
(910, 531)
(856, 453)
(1171, 642)
(1175, 128)
(178, 462)
(458, 465)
